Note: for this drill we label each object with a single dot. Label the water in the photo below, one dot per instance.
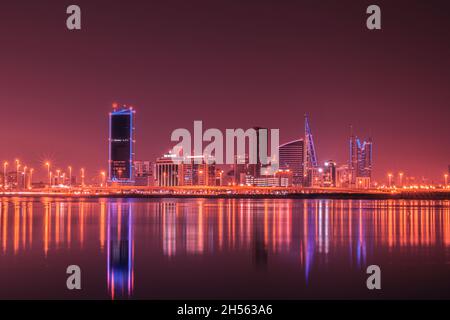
(230, 248)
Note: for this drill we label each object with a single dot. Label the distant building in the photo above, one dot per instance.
(143, 173)
(270, 181)
(315, 177)
(286, 177)
(167, 172)
(291, 157)
(240, 169)
(121, 145)
(255, 169)
(363, 183)
(197, 174)
(220, 176)
(360, 162)
(242, 166)
(329, 174)
(13, 180)
(343, 176)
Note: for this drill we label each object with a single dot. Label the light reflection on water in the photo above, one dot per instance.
(312, 234)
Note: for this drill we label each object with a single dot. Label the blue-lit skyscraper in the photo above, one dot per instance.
(310, 159)
(121, 145)
(360, 163)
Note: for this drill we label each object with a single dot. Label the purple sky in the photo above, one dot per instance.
(230, 64)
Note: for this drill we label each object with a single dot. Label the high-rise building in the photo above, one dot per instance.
(143, 173)
(291, 157)
(197, 174)
(360, 162)
(343, 176)
(240, 169)
(142, 168)
(255, 169)
(121, 145)
(329, 174)
(311, 162)
(167, 172)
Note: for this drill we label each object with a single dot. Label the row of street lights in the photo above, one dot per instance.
(401, 174)
(27, 180)
(60, 177)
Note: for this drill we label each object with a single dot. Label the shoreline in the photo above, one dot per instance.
(336, 195)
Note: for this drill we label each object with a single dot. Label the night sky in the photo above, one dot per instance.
(231, 64)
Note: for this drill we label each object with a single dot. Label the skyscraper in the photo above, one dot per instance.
(121, 145)
(311, 165)
(291, 158)
(329, 174)
(360, 163)
(255, 169)
(197, 174)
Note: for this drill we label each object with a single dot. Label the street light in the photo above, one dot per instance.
(70, 175)
(390, 179)
(103, 174)
(31, 179)
(401, 179)
(24, 176)
(82, 177)
(57, 176)
(17, 172)
(446, 179)
(48, 173)
(5, 179)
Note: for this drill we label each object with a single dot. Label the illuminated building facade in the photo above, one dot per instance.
(291, 157)
(311, 162)
(167, 172)
(329, 174)
(198, 174)
(255, 169)
(360, 163)
(240, 169)
(242, 166)
(121, 145)
(143, 173)
(343, 176)
(268, 181)
(363, 182)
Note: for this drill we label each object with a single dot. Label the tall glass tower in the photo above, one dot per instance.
(310, 160)
(292, 158)
(121, 145)
(360, 162)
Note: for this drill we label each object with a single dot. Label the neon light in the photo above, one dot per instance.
(111, 173)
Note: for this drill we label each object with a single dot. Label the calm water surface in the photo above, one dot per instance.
(199, 248)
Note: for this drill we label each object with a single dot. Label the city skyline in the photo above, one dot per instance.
(257, 67)
(185, 153)
(294, 157)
